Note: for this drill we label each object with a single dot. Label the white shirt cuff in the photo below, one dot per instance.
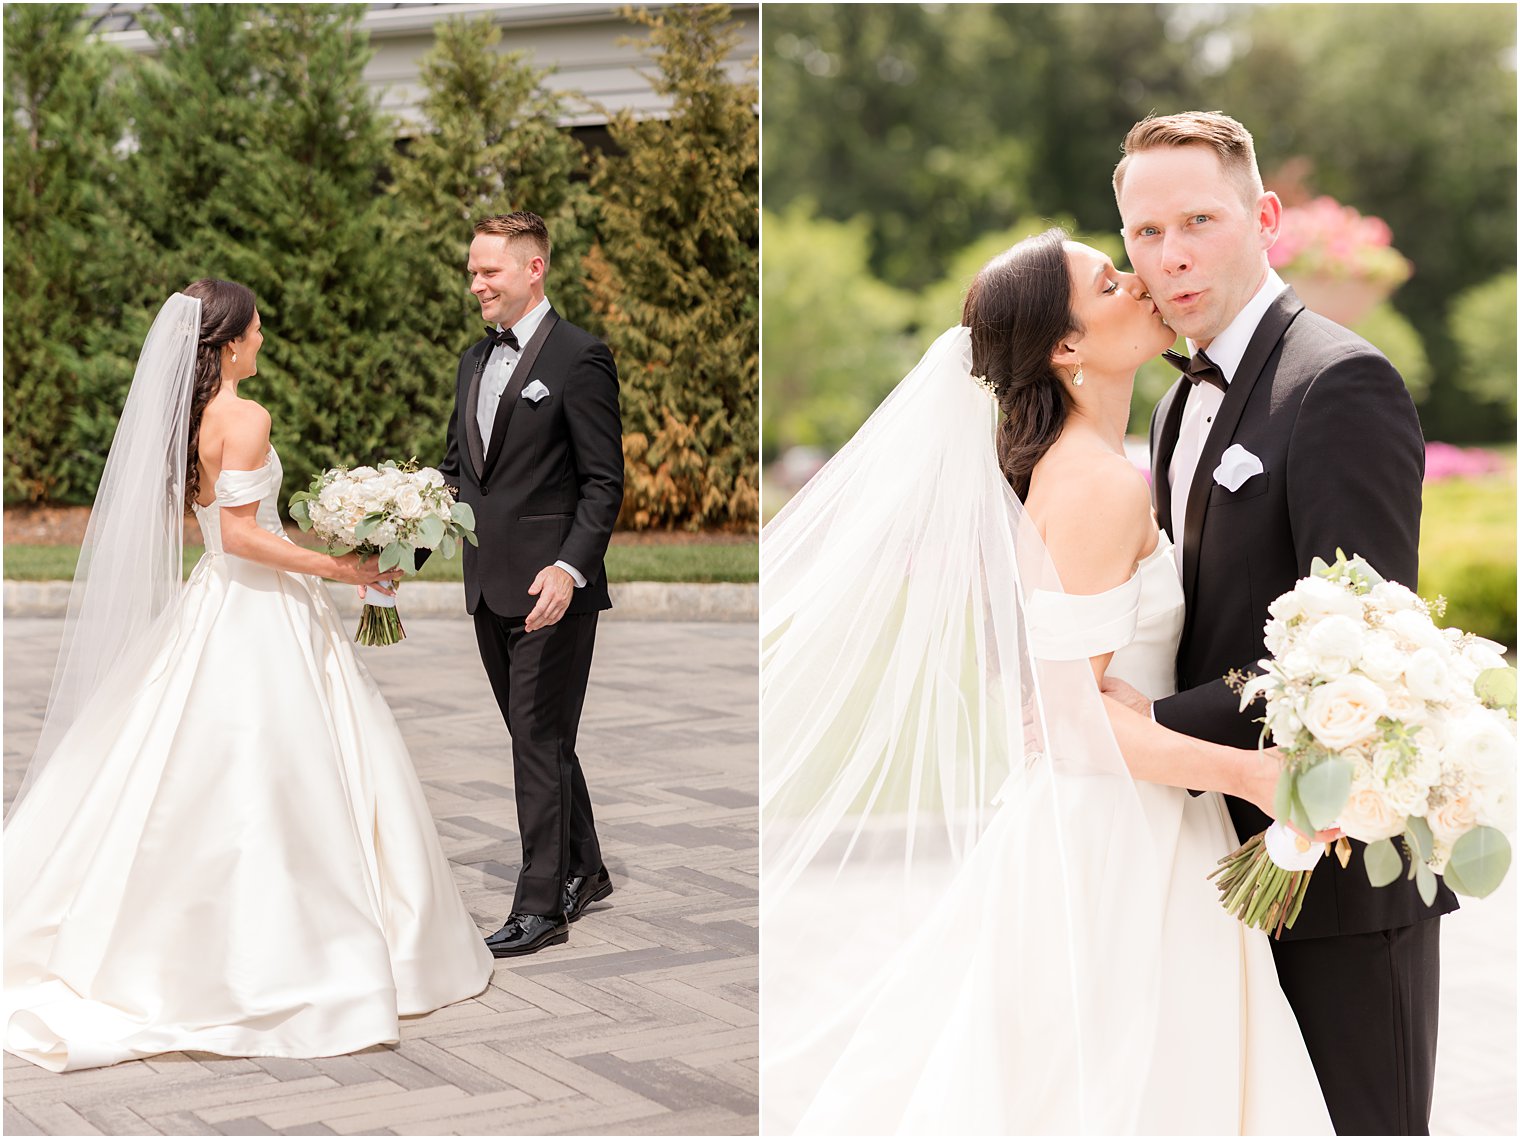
(580, 582)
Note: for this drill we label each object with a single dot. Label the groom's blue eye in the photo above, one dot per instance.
(1200, 217)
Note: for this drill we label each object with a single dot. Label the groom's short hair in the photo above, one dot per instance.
(1226, 137)
(518, 227)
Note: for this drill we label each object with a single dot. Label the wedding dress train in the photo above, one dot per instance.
(230, 851)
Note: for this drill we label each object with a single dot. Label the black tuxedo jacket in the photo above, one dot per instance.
(550, 485)
(1343, 457)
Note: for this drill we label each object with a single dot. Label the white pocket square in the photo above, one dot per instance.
(535, 391)
(1235, 466)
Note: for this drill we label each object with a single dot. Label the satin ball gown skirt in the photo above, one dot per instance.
(230, 851)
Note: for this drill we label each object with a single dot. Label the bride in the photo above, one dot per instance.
(985, 900)
(220, 844)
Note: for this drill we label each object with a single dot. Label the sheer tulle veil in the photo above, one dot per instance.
(129, 571)
(915, 742)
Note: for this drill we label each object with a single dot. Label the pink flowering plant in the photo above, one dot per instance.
(1327, 239)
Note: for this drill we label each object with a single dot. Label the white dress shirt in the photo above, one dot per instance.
(1203, 401)
(494, 381)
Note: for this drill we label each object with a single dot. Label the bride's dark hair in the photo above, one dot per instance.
(1018, 310)
(226, 312)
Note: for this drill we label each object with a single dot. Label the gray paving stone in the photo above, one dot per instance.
(669, 744)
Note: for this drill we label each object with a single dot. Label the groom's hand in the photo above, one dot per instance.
(1130, 697)
(554, 588)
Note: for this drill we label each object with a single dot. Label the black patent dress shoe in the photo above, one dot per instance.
(527, 933)
(584, 889)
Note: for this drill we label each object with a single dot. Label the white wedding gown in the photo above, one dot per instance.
(959, 1034)
(230, 852)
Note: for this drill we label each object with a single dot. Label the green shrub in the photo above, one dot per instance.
(1467, 553)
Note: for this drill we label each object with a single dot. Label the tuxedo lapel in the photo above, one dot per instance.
(513, 393)
(1169, 414)
(1274, 323)
(473, 442)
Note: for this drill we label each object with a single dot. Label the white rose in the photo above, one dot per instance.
(1481, 746)
(1274, 635)
(1336, 641)
(1405, 707)
(383, 535)
(1407, 796)
(1287, 607)
(360, 474)
(1452, 819)
(1368, 816)
(429, 476)
(1428, 676)
(1284, 721)
(1344, 712)
(409, 503)
(1391, 597)
(1485, 654)
(1381, 659)
(1416, 630)
(1299, 663)
(1320, 598)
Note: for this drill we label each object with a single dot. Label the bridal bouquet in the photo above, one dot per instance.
(1391, 729)
(392, 511)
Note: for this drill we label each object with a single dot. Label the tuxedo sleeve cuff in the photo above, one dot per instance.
(580, 581)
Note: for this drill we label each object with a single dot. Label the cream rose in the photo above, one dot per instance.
(1415, 629)
(409, 503)
(1318, 598)
(1368, 816)
(1392, 597)
(1452, 819)
(1344, 711)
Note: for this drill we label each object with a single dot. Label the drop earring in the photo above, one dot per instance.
(1076, 381)
(234, 357)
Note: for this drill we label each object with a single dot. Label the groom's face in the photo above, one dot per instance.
(506, 279)
(1196, 236)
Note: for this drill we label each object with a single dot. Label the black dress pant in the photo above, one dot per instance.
(1366, 1004)
(539, 679)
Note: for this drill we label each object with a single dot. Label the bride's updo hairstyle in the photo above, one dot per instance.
(1018, 310)
(226, 312)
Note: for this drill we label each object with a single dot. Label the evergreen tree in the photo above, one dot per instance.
(492, 144)
(674, 277)
(66, 258)
(259, 159)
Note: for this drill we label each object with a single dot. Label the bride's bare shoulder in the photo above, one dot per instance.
(234, 433)
(1094, 509)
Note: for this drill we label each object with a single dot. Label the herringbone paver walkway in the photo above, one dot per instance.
(644, 1023)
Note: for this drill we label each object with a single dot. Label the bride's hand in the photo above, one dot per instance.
(354, 570)
(1263, 768)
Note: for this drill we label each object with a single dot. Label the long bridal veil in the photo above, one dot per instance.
(129, 570)
(961, 903)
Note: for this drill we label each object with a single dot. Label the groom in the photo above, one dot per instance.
(535, 446)
(1341, 460)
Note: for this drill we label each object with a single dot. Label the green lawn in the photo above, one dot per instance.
(624, 563)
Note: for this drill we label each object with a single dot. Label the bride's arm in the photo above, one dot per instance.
(1095, 539)
(245, 447)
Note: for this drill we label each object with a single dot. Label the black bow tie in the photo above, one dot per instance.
(1198, 370)
(498, 336)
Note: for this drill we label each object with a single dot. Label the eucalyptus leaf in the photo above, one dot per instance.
(340, 550)
(1425, 879)
(464, 515)
(300, 512)
(390, 557)
(1479, 862)
(1319, 567)
(1323, 790)
(408, 559)
(1496, 688)
(430, 532)
(367, 527)
(448, 546)
(469, 536)
(1282, 797)
(1383, 862)
(1419, 831)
